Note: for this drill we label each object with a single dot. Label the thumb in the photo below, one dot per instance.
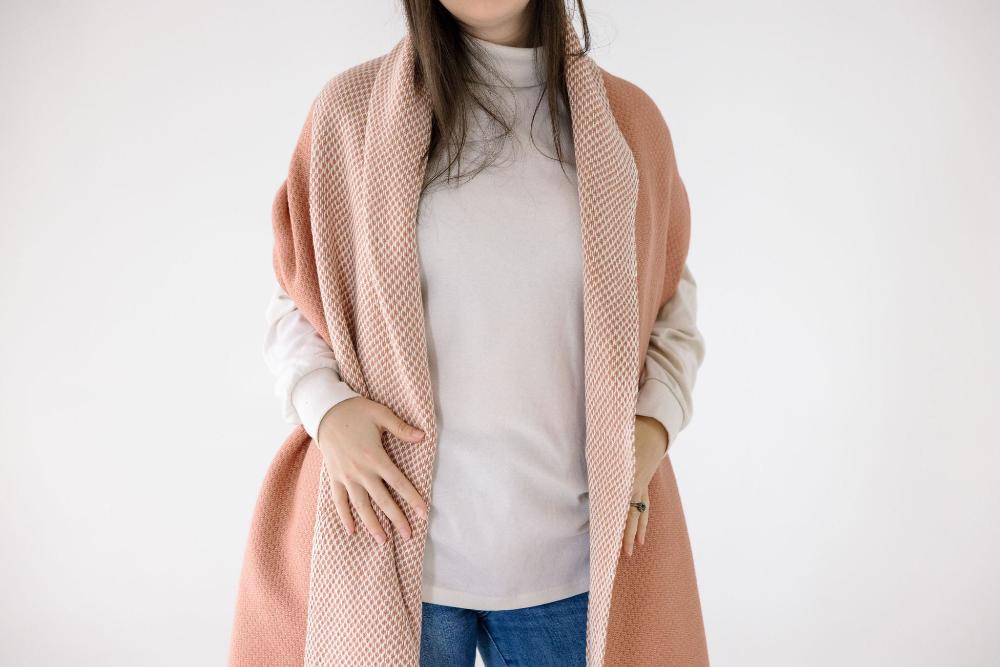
(392, 423)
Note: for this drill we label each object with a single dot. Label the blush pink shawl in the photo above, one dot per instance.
(345, 250)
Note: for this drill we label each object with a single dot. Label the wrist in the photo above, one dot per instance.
(658, 433)
(326, 418)
(315, 394)
(658, 401)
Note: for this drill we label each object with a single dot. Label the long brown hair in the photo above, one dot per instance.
(445, 65)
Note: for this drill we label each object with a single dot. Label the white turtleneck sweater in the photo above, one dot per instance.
(501, 272)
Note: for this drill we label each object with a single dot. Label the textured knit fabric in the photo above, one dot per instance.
(345, 252)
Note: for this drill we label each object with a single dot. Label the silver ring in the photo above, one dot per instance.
(641, 506)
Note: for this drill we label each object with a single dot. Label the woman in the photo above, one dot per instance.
(438, 319)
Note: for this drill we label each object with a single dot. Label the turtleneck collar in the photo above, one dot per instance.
(515, 63)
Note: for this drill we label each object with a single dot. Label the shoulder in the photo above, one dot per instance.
(349, 90)
(637, 114)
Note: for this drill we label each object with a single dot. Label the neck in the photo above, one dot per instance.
(513, 66)
(510, 31)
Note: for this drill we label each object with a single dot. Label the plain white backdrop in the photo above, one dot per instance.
(841, 476)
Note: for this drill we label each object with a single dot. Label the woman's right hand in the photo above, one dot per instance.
(350, 438)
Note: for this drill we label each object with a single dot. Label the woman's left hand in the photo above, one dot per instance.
(651, 441)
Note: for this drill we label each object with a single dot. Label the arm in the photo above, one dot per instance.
(676, 349)
(298, 350)
(307, 378)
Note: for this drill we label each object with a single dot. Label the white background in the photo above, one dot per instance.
(841, 476)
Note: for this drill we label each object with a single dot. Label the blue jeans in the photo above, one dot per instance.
(552, 634)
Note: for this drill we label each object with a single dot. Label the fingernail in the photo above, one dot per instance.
(380, 538)
(422, 511)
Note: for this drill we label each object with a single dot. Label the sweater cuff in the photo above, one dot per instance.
(656, 400)
(315, 393)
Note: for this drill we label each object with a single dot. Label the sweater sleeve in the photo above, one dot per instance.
(307, 378)
(676, 350)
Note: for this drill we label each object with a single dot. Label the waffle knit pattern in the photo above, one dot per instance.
(345, 251)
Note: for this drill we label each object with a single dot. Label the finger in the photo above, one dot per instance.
(630, 527)
(380, 495)
(343, 505)
(395, 478)
(339, 495)
(392, 423)
(644, 519)
(363, 504)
